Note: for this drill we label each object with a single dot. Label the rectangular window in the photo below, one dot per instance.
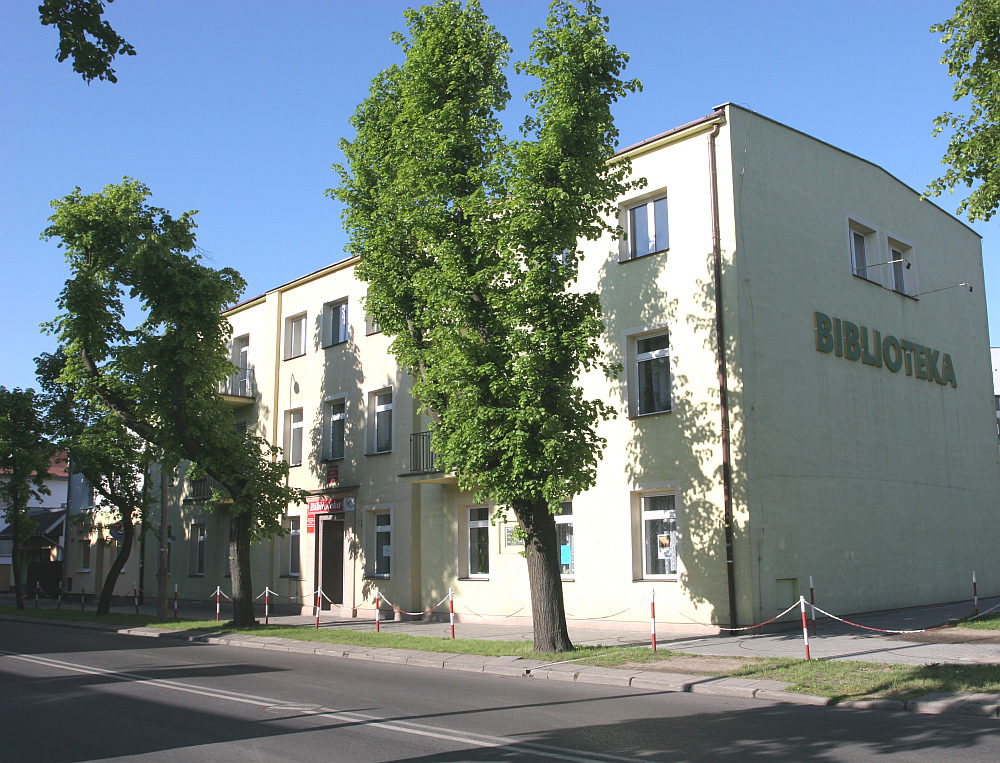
(293, 547)
(336, 428)
(381, 419)
(564, 538)
(479, 542)
(295, 336)
(652, 373)
(646, 227)
(659, 536)
(293, 437)
(383, 544)
(901, 278)
(335, 322)
(85, 555)
(241, 359)
(198, 538)
(864, 251)
(371, 326)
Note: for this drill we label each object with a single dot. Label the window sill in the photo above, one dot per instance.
(291, 577)
(479, 578)
(625, 260)
(567, 579)
(332, 460)
(377, 577)
(664, 579)
(379, 453)
(196, 574)
(334, 344)
(293, 357)
(637, 416)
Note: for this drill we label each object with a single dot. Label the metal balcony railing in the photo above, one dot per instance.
(201, 489)
(241, 383)
(422, 458)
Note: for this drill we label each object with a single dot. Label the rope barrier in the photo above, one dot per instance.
(743, 628)
(880, 630)
(601, 617)
(505, 617)
(413, 614)
(983, 614)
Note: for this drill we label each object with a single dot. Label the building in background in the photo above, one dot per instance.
(805, 392)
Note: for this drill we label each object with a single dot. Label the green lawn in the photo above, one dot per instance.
(839, 679)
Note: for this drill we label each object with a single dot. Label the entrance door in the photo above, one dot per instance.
(331, 559)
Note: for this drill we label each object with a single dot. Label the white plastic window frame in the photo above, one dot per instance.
(477, 524)
(653, 515)
(294, 436)
(379, 423)
(335, 410)
(657, 226)
(295, 336)
(336, 326)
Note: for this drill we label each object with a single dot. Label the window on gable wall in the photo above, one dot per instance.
(335, 322)
(899, 263)
(646, 227)
(295, 336)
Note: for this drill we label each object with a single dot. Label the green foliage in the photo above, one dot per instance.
(972, 37)
(468, 240)
(160, 378)
(85, 37)
(25, 455)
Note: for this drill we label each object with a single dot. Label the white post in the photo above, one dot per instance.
(805, 628)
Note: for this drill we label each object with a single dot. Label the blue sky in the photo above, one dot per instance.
(235, 108)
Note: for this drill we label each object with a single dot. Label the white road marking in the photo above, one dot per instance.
(402, 727)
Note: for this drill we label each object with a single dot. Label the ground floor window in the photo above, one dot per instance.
(383, 543)
(659, 535)
(479, 541)
(294, 540)
(85, 555)
(564, 538)
(198, 538)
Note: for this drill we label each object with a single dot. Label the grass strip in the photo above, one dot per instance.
(839, 679)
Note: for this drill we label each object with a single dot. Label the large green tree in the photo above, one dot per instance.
(85, 37)
(25, 454)
(102, 449)
(972, 37)
(468, 243)
(161, 377)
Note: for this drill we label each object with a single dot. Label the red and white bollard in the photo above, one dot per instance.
(377, 626)
(652, 617)
(83, 597)
(805, 628)
(812, 603)
(451, 611)
(218, 594)
(267, 605)
(975, 594)
(135, 595)
(319, 592)
(175, 601)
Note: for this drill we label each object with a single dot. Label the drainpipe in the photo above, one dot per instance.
(720, 337)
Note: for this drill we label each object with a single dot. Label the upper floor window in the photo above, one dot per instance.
(652, 373)
(881, 259)
(900, 259)
(862, 247)
(646, 227)
(295, 336)
(335, 322)
(381, 420)
(336, 427)
(293, 437)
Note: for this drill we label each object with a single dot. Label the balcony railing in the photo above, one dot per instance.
(241, 383)
(201, 489)
(422, 458)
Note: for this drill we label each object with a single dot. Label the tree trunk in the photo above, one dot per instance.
(15, 556)
(239, 569)
(548, 616)
(104, 603)
(162, 580)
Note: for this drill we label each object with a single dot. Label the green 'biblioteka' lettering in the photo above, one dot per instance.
(853, 342)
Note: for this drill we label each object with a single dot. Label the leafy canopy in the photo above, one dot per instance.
(468, 239)
(25, 455)
(85, 36)
(972, 37)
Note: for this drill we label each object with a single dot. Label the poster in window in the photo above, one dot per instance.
(566, 554)
(665, 549)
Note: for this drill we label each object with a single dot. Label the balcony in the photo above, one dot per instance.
(240, 389)
(200, 490)
(422, 458)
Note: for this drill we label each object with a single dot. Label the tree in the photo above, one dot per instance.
(103, 450)
(85, 37)
(161, 377)
(468, 242)
(973, 59)
(25, 455)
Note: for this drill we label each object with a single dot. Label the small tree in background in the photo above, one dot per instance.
(103, 450)
(25, 454)
(972, 37)
(161, 377)
(468, 243)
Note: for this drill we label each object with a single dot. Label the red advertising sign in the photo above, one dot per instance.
(321, 505)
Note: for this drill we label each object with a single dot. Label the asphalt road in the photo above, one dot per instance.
(73, 694)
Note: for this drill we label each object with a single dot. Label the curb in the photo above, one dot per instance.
(981, 705)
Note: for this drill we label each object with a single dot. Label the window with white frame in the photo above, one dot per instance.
(294, 556)
(336, 428)
(293, 437)
(659, 536)
(863, 250)
(371, 325)
(295, 336)
(564, 538)
(241, 359)
(380, 413)
(900, 256)
(335, 322)
(646, 227)
(651, 373)
(382, 546)
(198, 540)
(479, 541)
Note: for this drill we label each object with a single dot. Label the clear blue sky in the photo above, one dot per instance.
(235, 108)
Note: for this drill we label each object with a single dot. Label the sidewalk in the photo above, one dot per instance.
(833, 641)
